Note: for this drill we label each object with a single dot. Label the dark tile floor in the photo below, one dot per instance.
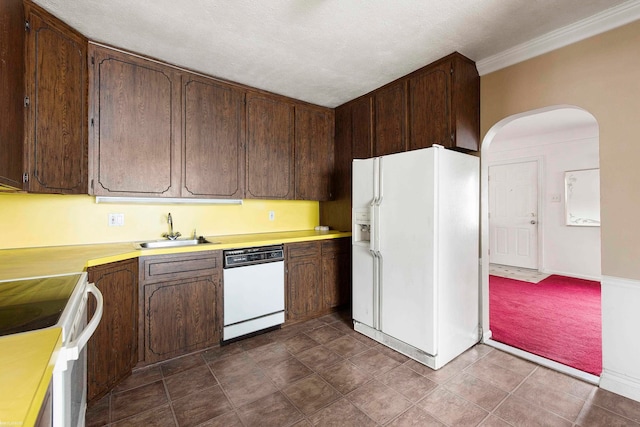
(322, 372)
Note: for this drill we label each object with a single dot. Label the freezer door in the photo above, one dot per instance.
(363, 196)
(408, 309)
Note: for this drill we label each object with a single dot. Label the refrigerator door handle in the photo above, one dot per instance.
(375, 219)
(376, 180)
(380, 180)
(373, 230)
(376, 290)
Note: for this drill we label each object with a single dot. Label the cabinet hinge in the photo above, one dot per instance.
(25, 177)
(27, 26)
(92, 122)
(453, 137)
(91, 185)
(480, 331)
(451, 70)
(93, 60)
(27, 101)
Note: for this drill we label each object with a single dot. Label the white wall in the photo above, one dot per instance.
(567, 250)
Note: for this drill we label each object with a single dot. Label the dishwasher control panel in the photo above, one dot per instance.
(249, 256)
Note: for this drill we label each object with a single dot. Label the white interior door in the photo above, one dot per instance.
(513, 214)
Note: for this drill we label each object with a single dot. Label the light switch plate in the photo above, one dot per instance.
(116, 219)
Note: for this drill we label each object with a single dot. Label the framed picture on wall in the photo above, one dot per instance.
(582, 197)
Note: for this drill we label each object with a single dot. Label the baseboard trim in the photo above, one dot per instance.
(547, 363)
(573, 275)
(620, 384)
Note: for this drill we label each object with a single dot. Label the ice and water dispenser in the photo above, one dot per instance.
(362, 229)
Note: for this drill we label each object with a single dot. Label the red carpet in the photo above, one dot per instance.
(558, 318)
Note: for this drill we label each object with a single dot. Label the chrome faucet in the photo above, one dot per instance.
(171, 235)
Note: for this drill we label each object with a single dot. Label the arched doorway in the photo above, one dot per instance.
(550, 139)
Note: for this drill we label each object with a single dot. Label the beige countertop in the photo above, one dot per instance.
(55, 260)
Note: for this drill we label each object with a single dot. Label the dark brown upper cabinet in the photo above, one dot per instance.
(314, 157)
(390, 119)
(270, 145)
(43, 135)
(56, 114)
(430, 108)
(12, 68)
(465, 103)
(361, 127)
(444, 105)
(136, 117)
(213, 152)
(437, 104)
(161, 131)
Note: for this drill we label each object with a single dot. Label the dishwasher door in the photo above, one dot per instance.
(252, 292)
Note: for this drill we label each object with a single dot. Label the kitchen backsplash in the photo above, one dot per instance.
(33, 220)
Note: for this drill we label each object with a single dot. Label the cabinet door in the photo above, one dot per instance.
(56, 84)
(362, 128)
(313, 153)
(181, 317)
(337, 213)
(303, 278)
(465, 102)
(269, 148)
(336, 272)
(136, 113)
(111, 351)
(213, 155)
(429, 108)
(12, 36)
(390, 119)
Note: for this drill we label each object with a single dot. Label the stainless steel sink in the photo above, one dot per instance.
(173, 243)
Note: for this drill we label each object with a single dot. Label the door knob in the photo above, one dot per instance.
(533, 221)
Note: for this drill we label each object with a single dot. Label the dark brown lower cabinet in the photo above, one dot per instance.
(181, 317)
(181, 303)
(303, 276)
(318, 277)
(336, 272)
(111, 351)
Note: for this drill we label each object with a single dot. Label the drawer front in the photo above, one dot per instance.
(303, 250)
(169, 267)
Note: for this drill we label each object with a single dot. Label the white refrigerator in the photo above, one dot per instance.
(415, 252)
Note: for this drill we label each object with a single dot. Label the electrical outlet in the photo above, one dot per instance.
(555, 198)
(272, 215)
(116, 219)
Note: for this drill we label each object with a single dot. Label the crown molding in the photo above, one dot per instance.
(599, 23)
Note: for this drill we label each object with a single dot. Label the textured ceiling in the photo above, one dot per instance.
(325, 52)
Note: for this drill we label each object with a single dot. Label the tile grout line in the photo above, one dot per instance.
(169, 400)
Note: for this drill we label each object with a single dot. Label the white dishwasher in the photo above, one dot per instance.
(253, 289)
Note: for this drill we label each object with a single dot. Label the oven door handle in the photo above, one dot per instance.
(75, 347)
